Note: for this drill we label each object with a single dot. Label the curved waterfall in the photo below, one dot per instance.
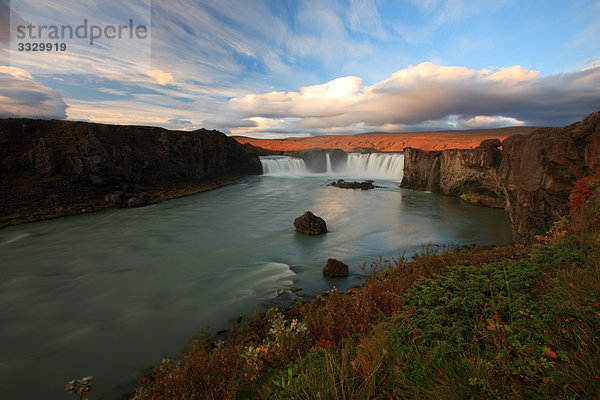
(375, 166)
(387, 166)
(282, 165)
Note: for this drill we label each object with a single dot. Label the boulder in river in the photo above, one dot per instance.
(310, 224)
(335, 268)
(342, 184)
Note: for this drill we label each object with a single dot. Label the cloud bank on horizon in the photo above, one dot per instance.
(272, 69)
(426, 96)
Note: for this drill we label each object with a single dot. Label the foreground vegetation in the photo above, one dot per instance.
(479, 322)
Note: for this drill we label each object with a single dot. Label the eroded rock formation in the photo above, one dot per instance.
(52, 168)
(532, 174)
(316, 160)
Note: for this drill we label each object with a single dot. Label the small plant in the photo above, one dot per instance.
(283, 340)
(556, 234)
(583, 189)
(80, 387)
(285, 379)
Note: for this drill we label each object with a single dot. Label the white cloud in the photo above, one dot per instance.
(429, 95)
(364, 17)
(484, 121)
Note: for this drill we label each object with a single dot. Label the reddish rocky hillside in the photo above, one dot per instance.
(389, 142)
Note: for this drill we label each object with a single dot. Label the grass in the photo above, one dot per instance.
(479, 322)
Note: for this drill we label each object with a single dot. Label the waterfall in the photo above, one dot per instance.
(281, 165)
(386, 166)
(434, 175)
(328, 161)
(375, 166)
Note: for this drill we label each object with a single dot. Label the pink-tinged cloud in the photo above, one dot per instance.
(430, 96)
(21, 96)
(162, 77)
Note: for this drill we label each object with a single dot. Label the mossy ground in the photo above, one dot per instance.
(478, 199)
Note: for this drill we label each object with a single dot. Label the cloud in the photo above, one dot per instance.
(162, 77)
(364, 17)
(326, 100)
(23, 97)
(429, 95)
(482, 121)
(182, 122)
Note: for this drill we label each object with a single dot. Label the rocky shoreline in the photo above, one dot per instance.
(51, 168)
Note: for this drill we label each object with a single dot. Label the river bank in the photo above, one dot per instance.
(54, 168)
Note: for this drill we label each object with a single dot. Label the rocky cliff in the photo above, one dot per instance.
(51, 168)
(531, 175)
(316, 160)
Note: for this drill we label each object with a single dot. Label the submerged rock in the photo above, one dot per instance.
(342, 184)
(335, 268)
(310, 224)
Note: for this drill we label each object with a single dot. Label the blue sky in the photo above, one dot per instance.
(269, 68)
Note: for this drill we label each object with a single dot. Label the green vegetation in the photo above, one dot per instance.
(479, 322)
(479, 199)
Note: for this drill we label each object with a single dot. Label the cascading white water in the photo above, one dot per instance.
(328, 162)
(375, 166)
(388, 166)
(281, 166)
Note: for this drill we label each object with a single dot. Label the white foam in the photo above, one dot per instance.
(389, 166)
(283, 166)
(15, 239)
(376, 166)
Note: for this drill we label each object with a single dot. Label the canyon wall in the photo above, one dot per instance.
(50, 168)
(532, 175)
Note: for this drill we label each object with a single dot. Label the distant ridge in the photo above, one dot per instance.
(390, 141)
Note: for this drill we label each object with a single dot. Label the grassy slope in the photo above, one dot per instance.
(474, 323)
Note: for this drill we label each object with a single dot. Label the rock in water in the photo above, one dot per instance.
(342, 184)
(310, 224)
(139, 200)
(335, 268)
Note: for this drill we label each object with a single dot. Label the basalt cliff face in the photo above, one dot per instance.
(52, 168)
(531, 175)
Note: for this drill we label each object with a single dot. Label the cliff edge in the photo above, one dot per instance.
(530, 175)
(52, 168)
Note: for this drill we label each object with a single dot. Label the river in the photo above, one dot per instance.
(111, 293)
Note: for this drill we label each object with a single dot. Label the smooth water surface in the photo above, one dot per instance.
(111, 293)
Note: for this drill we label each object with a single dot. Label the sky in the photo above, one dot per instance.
(281, 68)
